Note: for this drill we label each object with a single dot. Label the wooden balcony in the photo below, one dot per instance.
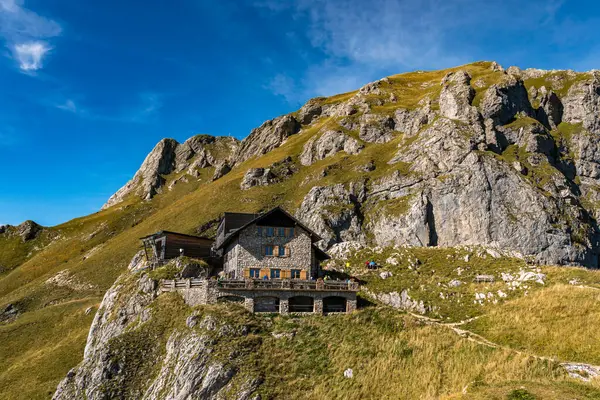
(259, 284)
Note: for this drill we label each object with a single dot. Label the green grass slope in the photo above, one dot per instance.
(46, 339)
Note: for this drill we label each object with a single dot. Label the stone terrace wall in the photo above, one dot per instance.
(209, 293)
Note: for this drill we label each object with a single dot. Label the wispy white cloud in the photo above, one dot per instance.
(30, 55)
(150, 104)
(364, 40)
(26, 34)
(68, 105)
(283, 85)
(142, 110)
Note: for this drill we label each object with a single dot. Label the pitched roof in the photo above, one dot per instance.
(321, 255)
(260, 217)
(161, 233)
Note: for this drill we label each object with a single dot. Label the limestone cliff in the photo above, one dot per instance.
(169, 156)
(143, 347)
(513, 171)
(474, 155)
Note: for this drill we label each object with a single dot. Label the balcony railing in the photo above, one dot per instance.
(288, 284)
(259, 284)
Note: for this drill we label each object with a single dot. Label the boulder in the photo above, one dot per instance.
(257, 177)
(401, 301)
(501, 102)
(410, 122)
(267, 137)
(550, 111)
(582, 105)
(334, 213)
(169, 156)
(310, 112)
(29, 230)
(221, 170)
(328, 144)
(456, 97)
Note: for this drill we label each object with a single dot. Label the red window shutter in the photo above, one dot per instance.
(303, 275)
(276, 251)
(287, 251)
(246, 272)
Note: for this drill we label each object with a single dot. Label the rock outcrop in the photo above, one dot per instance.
(274, 173)
(257, 177)
(501, 102)
(169, 156)
(582, 105)
(480, 160)
(29, 230)
(267, 137)
(328, 144)
(334, 212)
(140, 348)
(456, 97)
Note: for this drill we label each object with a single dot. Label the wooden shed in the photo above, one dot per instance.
(165, 245)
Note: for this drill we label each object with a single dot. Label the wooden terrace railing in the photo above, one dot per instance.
(259, 284)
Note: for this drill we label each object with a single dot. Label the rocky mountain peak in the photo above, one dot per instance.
(170, 156)
(267, 137)
(476, 155)
(28, 230)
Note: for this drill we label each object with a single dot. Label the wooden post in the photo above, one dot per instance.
(145, 249)
(318, 306)
(284, 306)
(249, 304)
(350, 306)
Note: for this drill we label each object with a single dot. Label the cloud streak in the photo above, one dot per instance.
(144, 110)
(68, 105)
(26, 34)
(361, 41)
(30, 55)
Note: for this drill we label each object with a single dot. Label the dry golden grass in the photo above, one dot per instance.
(561, 322)
(33, 360)
(393, 356)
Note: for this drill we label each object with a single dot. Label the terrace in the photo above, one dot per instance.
(259, 284)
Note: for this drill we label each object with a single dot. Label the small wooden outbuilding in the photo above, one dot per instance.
(165, 245)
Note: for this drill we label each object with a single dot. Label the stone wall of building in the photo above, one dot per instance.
(249, 251)
(230, 258)
(210, 293)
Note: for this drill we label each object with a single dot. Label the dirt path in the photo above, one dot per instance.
(577, 370)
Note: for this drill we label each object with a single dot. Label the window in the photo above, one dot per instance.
(290, 232)
(295, 274)
(269, 250)
(282, 251)
(270, 231)
(281, 232)
(254, 273)
(275, 273)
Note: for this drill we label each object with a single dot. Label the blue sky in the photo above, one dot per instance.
(87, 88)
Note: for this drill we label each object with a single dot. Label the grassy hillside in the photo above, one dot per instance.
(392, 353)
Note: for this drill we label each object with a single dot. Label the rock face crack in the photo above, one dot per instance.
(433, 238)
(512, 170)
